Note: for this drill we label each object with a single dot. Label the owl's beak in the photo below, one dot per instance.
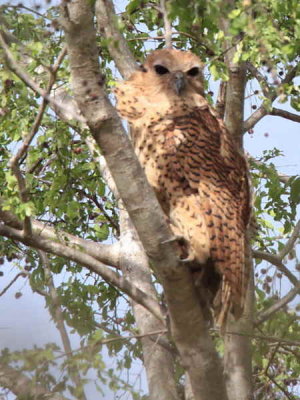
(179, 82)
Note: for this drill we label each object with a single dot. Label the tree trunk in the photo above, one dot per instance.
(158, 361)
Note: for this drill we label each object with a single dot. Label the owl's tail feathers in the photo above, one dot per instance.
(222, 306)
(225, 304)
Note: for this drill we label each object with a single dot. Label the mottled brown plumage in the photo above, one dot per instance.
(195, 168)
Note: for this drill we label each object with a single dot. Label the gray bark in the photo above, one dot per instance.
(192, 339)
(158, 361)
(237, 357)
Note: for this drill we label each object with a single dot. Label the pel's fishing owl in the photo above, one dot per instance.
(195, 168)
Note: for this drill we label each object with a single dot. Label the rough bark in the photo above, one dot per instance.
(192, 339)
(238, 353)
(237, 349)
(117, 45)
(158, 361)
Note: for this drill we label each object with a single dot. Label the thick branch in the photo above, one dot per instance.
(107, 253)
(117, 45)
(86, 260)
(285, 114)
(134, 263)
(237, 349)
(254, 118)
(19, 384)
(167, 24)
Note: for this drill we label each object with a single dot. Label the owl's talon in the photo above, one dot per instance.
(175, 238)
(188, 260)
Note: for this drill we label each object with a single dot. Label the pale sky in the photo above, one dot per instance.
(25, 322)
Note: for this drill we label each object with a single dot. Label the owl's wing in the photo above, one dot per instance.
(211, 164)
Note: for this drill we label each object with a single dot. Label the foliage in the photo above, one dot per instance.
(66, 189)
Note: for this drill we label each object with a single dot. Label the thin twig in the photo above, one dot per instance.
(164, 331)
(20, 274)
(14, 67)
(287, 394)
(220, 105)
(276, 260)
(266, 314)
(291, 242)
(14, 161)
(271, 95)
(57, 315)
(167, 24)
(266, 89)
(282, 177)
(23, 196)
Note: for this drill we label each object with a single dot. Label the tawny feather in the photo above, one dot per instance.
(194, 166)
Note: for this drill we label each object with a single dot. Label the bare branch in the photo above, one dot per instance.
(284, 391)
(57, 315)
(167, 24)
(271, 95)
(88, 261)
(291, 74)
(254, 118)
(19, 275)
(291, 242)
(285, 114)
(106, 253)
(117, 45)
(276, 260)
(268, 92)
(220, 106)
(266, 314)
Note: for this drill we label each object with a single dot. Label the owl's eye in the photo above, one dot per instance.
(160, 69)
(193, 71)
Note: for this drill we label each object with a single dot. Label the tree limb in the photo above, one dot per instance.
(276, 260)
(167, 24)
(23, 387)
(271, 95)
(285, 114)
(107, 253)
(58, 318)
(291, 242)
(86, 260)
(19, 275)
(116, 43)
(266, 314)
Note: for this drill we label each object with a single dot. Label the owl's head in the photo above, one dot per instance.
(176, 71)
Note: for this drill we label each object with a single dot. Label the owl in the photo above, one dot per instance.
(196, 170)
